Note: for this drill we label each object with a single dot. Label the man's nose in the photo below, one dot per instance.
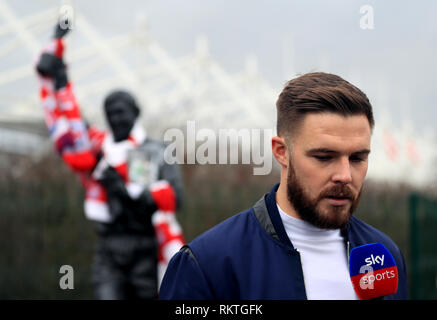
(342, 172)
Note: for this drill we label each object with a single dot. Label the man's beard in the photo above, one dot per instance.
(333, 217)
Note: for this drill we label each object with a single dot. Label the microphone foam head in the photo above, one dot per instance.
(373, 271)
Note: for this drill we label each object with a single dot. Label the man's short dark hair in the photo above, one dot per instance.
(318, 92)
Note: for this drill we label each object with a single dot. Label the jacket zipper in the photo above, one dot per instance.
(348, 245)
(301, 265)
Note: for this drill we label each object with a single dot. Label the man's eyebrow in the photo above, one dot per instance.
(326, 150)
(363, 151)
(321, 150)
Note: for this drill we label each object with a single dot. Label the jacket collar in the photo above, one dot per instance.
(272, 209)
(268, 216)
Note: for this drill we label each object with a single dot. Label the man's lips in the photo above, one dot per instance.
(338, 200)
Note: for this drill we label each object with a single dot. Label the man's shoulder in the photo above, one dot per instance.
(225, 234)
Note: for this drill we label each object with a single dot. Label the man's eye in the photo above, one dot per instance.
(357, 159)
(323, 158)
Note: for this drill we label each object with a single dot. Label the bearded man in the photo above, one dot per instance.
(294, 243)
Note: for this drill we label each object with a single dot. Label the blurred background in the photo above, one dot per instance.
(221, 64)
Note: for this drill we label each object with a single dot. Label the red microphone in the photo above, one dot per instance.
(373, 271)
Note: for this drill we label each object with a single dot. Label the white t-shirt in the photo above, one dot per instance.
(324, 259)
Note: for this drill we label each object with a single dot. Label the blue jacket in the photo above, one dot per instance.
(249, 256)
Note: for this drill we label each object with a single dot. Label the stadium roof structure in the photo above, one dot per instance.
(170, 90)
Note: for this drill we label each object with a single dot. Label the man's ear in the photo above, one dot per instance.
(280, 151)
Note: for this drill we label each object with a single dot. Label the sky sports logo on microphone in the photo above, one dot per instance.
(373, 271)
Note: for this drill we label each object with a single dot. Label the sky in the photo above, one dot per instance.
(393, 63)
